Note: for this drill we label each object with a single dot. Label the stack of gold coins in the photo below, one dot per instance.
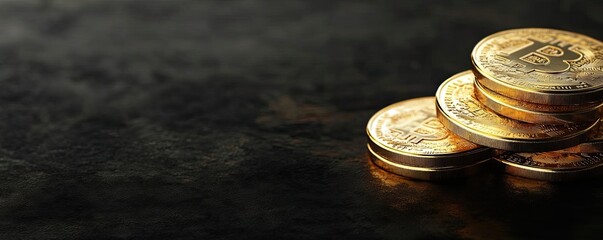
(541, 76)
(462, 113)
(535, 95)
(406, 138)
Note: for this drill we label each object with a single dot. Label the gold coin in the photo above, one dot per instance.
(552, 166)
(539, 65)
(534, 112)
(430, 174)
(409, 133)
(593, 144)
(463, 114)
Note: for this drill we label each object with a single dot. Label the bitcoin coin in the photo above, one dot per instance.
(459, 110)
(534, 112)
(539, 65)
(593, 144)
(409, 133)
(552, 166)
(422, 173)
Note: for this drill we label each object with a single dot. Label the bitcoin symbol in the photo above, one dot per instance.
(547, 57)
(430, 129)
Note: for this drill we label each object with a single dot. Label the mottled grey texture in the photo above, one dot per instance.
(245, 119)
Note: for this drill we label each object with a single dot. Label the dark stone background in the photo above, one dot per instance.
(245, 119)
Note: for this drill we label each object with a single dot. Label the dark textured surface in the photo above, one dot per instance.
(245, 119)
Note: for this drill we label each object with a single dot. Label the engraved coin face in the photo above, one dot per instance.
(411, 127)
(527, 64)
(463, 114)
(554, 160)
(553, 166)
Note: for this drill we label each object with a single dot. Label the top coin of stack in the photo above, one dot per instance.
(540, 75)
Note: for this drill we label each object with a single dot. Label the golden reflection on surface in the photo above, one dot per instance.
(519, 184)
(404, 194)
(476, 227)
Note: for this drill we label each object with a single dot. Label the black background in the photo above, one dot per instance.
(245, 119)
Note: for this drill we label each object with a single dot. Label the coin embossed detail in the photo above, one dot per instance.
(411, 126)
(409, 133)
(554, 160)
(547, 57)
(541, 65)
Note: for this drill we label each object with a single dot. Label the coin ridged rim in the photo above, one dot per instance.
(496, 102)
(427, 174)
(440, 160)
(491, 36)
(548, 174)
(509, 144)
(578, 96)
(542, 98)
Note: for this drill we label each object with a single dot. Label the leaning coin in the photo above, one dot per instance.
(538, 65)
(463, 114)
(534, 112)
(409, 133)
(552, 166)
